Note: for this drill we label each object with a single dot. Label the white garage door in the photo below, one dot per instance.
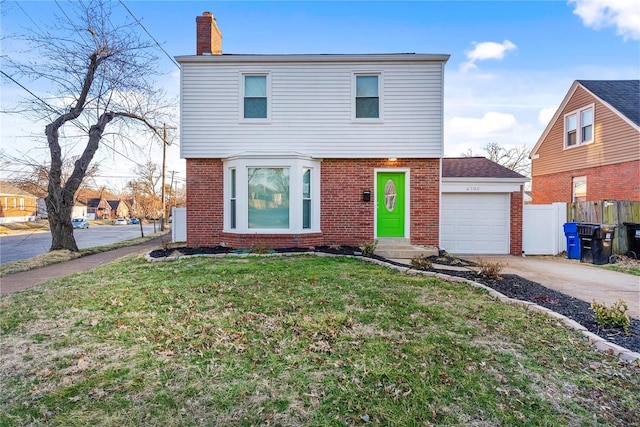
(475, 223)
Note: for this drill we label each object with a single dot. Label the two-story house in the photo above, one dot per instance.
(590, 150)
(302, 150)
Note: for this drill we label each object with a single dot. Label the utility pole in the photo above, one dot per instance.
(165, 143)
(164, 166)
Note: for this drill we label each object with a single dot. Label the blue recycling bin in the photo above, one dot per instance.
(573, 242)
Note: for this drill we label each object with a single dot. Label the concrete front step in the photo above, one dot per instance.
(402, 249)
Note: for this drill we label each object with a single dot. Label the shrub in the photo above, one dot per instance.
(368, 248)
(613, 317)
(260, 248)
(490, 269)
(421, 262)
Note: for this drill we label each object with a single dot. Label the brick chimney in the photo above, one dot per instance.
(208, 35)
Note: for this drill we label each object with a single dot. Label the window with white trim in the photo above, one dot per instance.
(272, 195)
(579, 189)
(232, 200)
(578, 127)
(255, 96)
(367, 102)
(21, 204)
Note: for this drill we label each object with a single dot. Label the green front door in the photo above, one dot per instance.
(390, 204)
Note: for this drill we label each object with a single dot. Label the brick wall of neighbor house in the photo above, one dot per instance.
(515, 246)
(611, 182)
(345, 218)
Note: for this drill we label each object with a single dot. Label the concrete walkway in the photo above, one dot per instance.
(21, 281)
(583, 281)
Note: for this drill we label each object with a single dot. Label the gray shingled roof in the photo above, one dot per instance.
(623, 95)
(475, 167)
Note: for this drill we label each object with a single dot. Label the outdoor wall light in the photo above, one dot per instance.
(392, 159)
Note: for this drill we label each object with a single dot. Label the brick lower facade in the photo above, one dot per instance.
(611, 182)
(345, 218)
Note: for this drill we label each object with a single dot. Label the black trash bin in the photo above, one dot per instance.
(633, 239)
(596, 243)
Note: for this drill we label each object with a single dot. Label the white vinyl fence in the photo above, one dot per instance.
(179, 225)
(542, 229)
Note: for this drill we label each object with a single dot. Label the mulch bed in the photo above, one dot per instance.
(511, 285)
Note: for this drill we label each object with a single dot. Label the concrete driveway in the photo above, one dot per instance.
(584, 281)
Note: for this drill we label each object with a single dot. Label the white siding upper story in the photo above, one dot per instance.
(311, 103)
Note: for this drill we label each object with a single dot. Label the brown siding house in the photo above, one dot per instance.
(591, 148)
(16, 205)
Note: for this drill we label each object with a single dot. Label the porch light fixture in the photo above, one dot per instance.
(392, 159)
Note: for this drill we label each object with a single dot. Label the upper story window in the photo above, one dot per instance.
(21, 204)
(367, 96)
(255, 96)
(578, 127)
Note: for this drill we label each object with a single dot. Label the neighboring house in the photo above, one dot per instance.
(482, 204)
(119, 208)
(591, 148)
(305, 150)
(98, 208)
(16, 205)
(79, 210)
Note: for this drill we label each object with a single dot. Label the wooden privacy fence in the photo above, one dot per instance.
(609, 212)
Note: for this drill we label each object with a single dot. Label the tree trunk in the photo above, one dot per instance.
(59, 208)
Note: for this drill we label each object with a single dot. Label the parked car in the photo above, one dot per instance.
(120, 221)
(134, 221)
(79, 223)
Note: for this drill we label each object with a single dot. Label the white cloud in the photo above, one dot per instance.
(486, 50)
(545, 115)
(622, 14)
(491, 123)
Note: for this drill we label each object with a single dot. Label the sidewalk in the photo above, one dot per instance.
(24, 280)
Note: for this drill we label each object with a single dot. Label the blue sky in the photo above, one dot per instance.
(511, 62)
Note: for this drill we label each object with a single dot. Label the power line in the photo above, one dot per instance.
(30, 93)
(149, 34)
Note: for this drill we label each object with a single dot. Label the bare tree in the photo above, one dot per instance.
(147, 193)
(515, 158)
(34, 176)
(100, 72)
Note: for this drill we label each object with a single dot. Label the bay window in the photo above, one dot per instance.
(272, 195)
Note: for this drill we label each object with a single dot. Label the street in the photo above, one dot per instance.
(22, 246)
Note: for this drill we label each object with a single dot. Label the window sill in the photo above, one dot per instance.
(578, 145)
(271, 231)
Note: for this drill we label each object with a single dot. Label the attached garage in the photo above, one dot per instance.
(475, 223)
(481, 207)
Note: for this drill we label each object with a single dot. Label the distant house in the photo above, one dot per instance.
(16, 205)
(590, 150)
(119, 208)
(79, 209)
(98, 208)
